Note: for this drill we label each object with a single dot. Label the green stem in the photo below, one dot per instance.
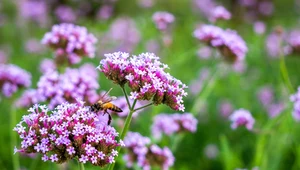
(15, 157)
(125, 94)
(143, 107)
(80, 165)
(205, 93)
(285, 74)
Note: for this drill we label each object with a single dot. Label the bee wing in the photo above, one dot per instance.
(113, 98)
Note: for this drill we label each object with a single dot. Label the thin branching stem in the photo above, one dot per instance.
(143, 107)
(125, 94)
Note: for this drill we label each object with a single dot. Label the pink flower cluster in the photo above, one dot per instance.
(163, 20)
(146, 77)
(145, 154)
(69, 132)
(293, 41)
(71, 42)
(58, 88)
(295, 98)
(242, 117)
(13, 77)
(228, 42)
(173, 123)
(219, 13)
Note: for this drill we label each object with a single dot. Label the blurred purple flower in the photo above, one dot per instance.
(71, 42)
(145, 154)
(34, 10)
(163, 20)
(12, 78)
(72, 85)
(34, 46)
(124, 40)
(228, 42)
(146, 77)
(173, 123)
(204, 52)
(259, 27)
(295, 98)
(225, 108)
(105, 12)
(47, 65)
(266, 95)
(205, 6)
(153, 46)
(219, 13)
(275, 109)
(211, 151)
(68, 132)
(293, 41)
(146, 3)
(273, 42)
(266, 8)
(65, 14)
(247, 3)
(242, 117)
(239, 67)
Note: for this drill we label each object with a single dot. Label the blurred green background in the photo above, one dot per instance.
(273, 145)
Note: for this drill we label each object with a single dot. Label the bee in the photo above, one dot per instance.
(105, 104)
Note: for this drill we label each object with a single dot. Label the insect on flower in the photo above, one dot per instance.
(105, 104)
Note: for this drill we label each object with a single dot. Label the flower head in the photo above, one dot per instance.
(71, 42)
(228, 42)
(163, 20)
(68, 132)
(13, 77)
(173, 123)
(220, 13)
(146, 77)
(145, 154)
(58, 88)
(242, 117)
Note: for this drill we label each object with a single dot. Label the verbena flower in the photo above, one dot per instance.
(274, 42)
(170, 124)
(105, 12)
(219, 13)
(65, 14)
(145, 154)
(265, 95)
(12, 78)
(242, 117)
(34, 46)
(163, 20)
(197, 84)
(259, 27)
(225, 108)
(47, 65)
(34, 10)
(295, 98)
(125, 40)
(146, 77)
(57, 88)
(67, 132)
(228, 42)
(71, 42)
(293, 41)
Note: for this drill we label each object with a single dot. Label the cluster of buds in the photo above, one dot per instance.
(70, 42)
(58, 88)
(12, 78)
(146, 77)
(69, 132)
(163, 20)
(173, 123)
(228, 42)
(242, 117)
(145, 154)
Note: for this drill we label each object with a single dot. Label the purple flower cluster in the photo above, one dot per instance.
(225, 108)
(13, 77)
(71, 42)
(68, 132)
(58, 88)
(163, 20)
(242, 117)
(293, 41)
(173, 123)
(34, 10)
(295, 98)
(219, 13)
(145, 154)
(146, 77)
(274, 42)
(257, 9)
(266, 97)
(65, 14)
(228, 42)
